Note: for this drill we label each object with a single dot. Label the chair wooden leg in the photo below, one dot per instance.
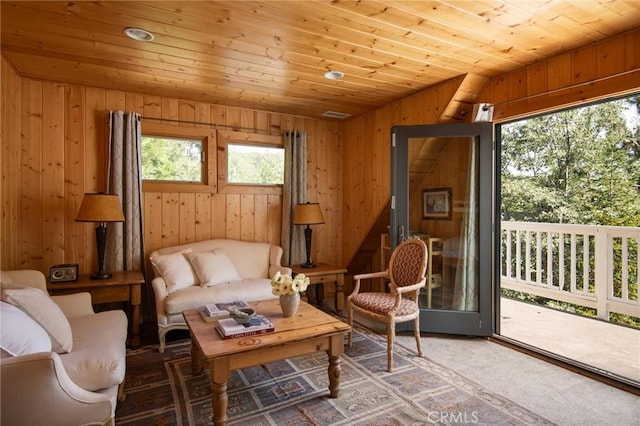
(391, 332)
(416, 332)
(121, 395)
(350, 319)
(162, 332)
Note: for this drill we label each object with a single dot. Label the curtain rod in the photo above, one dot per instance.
(214, 125)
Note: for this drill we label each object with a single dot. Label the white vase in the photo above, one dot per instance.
(289, 304)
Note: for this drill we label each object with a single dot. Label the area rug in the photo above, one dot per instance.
(160, 390)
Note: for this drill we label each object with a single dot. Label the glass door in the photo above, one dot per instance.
(442, 183)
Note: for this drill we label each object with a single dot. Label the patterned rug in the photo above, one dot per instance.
(160, 390)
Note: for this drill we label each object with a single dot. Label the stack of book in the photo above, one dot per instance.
(215, 311)
(228, 328)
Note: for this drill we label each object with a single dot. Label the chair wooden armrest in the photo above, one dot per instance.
(410, 288)
(370, 275)
(399, 291)
(381, 274)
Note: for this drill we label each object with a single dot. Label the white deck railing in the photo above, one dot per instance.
(592, 266)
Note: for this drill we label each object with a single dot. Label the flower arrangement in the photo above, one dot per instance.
(282, 284)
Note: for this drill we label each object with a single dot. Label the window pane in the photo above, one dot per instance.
(255, 165)
(172, 159)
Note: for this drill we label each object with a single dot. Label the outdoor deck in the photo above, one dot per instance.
(598, 343)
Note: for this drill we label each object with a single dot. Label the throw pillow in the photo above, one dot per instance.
(39, 306)
(175, 269)
(19, 334)
(213, 267)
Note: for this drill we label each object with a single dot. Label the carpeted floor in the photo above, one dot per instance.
(160, 390)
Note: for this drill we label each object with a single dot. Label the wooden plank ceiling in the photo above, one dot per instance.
(271, 55)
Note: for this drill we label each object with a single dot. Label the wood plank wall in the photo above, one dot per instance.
(610, 67)
(10, 104)
(350, 175)
(54, 150)
(596, 71)
(367, 159)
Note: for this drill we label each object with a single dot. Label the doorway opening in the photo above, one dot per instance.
(570, 233)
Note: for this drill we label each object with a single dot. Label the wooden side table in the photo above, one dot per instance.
(321, 274)
(121, 287)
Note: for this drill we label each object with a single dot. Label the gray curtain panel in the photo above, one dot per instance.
(125, 245)
(294, 192)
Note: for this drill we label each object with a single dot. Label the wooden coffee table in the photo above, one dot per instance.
(310, 330)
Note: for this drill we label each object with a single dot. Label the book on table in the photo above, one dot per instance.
(215, 311)
(228, 328)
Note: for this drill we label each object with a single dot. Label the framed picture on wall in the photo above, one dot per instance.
(436, 203)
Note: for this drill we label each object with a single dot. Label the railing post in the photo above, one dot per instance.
(602, 273)
(518, 255)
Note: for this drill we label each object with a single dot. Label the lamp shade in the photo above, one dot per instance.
(100, 208)
(308, 214)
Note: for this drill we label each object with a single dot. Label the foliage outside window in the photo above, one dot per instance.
(257, 165)
(250, 163)
(172, 159)
(178, 159)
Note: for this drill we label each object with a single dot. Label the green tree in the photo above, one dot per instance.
(264, 167)
(171, 159)
(575, 166)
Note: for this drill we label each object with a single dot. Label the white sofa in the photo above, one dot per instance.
(188, 276)
(62, 363)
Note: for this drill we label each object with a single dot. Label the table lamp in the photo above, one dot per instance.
(308, 214)
(100, 208)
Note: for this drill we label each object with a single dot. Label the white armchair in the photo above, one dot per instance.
(75, 387)
(55, 399)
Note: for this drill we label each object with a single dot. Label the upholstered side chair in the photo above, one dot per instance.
(406, 276)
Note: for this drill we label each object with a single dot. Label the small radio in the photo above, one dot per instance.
(64, 273)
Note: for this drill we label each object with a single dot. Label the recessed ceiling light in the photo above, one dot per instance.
(139, 34)
(333, 75)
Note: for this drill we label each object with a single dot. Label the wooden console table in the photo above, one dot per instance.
(321, 274)
(121, 287)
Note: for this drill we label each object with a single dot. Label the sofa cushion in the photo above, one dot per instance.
(19, 334)
(251, 259)
(175, 269)
(213, 267)
(98, 360)
(39, 306)
(194, 297)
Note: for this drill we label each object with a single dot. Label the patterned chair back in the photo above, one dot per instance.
(408, 263)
